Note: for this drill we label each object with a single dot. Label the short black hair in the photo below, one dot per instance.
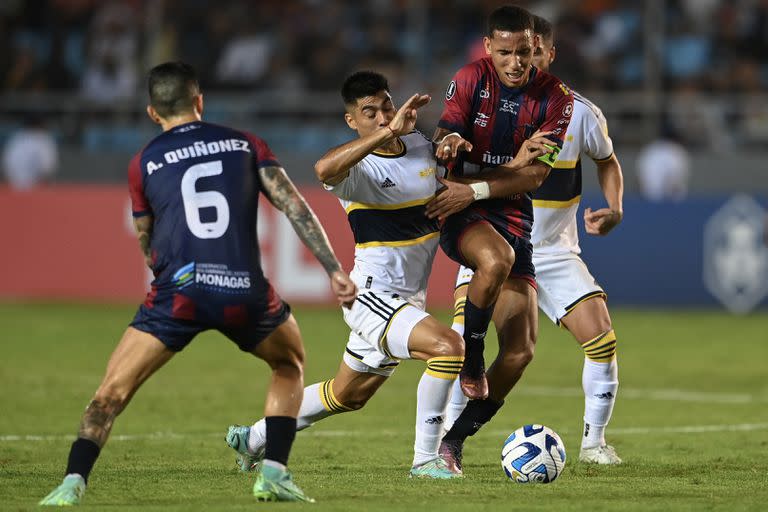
(362, 84)
(544, 29)
(173, 87)
(509, 18)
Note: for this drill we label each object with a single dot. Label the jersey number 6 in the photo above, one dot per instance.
(194, 201)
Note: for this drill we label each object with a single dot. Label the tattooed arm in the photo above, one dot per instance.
(283, 194)
(143, 227)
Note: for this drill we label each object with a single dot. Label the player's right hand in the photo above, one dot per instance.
(344, 289)
(448, 148)
(404, 121)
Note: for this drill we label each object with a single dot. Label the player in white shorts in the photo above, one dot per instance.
(568, 294)
(383, 179)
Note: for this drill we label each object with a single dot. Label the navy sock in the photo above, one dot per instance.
(82, 457)
(281, 431)
(476, 414)
(476, 321)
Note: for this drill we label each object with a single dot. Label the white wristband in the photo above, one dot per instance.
(481, 190)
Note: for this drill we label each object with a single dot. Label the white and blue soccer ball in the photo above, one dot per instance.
(533, 453)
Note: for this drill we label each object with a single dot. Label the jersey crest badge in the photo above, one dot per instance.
(451, 90)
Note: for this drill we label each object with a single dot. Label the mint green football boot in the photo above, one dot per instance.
(436, 468)
(69, 493)
(237, 439)
(274, 484)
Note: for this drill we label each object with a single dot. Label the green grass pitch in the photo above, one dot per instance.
(691, 421)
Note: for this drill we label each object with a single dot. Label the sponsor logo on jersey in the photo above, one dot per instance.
(508, 106)
(488, 158)
(387, 183)
(219, 276)
(451, 90)
(482, 120)
(184, 276)
(485, 93)
(568, 110)
(426, 173)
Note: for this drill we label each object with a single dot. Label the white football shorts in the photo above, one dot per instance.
(380, 324)
(563, 283)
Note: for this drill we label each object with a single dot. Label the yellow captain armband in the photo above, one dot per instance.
(550, 158)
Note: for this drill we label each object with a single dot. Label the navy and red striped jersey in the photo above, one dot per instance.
(199, 181)
(497, 119)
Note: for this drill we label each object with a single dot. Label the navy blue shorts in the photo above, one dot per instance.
(457, 225)
(175, 319)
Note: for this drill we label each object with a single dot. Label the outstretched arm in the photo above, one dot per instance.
(334, 166)
(282, 193)
(602, 221)
(143, 227)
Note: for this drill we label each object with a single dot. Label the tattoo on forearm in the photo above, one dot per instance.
(144, 243)
(97, 420)
(283, 194)
(144, 233)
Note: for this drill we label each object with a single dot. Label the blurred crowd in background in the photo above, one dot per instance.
(692, 72)
(100, 48)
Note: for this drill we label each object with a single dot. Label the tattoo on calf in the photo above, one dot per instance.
(97, 420)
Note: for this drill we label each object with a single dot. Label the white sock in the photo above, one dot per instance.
(457, 401)
(431, 400)
(600, 382)
(311, 410)
(456, 405)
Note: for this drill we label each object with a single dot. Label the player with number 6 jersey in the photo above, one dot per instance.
(195, 191)
(198, 182)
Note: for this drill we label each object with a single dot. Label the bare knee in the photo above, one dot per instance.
(447, 342)
(497, 265)
(289, 360)
(111, 398)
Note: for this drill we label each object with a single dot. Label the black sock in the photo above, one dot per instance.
(476, 414)
(82, 457)
(476, 321)
(281, 431)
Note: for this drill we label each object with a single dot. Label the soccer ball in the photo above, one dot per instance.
(533, 453)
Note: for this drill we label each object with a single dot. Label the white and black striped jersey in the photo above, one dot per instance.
(384, 196)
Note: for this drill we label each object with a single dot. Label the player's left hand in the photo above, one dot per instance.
(602, 221)
(449, 200)
(344, 288)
